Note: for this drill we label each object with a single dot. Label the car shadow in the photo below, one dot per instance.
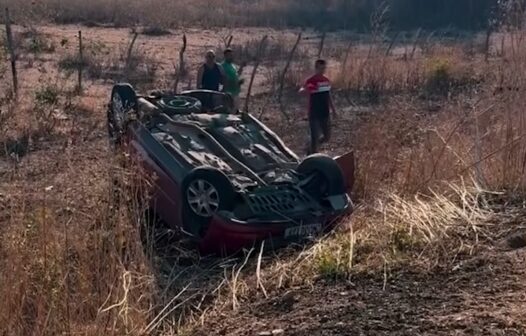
(196, 279)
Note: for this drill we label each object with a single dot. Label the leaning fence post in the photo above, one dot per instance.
(344, 69)
(322, 44)
(81, 62)
(12, 53)
(258, 59)
(284, 73)
(181, 64)
(346, 56)
(478, 153)
(415, 43)
(487, 45)
(229, 41)
(129, 54)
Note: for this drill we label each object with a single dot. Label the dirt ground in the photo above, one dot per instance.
(163, 50)
(482, 295)
(85, 116)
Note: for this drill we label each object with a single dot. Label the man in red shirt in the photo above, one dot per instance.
(320, 105)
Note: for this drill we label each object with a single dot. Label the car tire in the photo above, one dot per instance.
(326, 176)
(180, 105)
(123, 99)
(205, 191)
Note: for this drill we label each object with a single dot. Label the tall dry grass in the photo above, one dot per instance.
(72, 260)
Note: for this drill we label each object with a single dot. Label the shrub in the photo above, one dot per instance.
(155, 30)
(89, 63)
(438, 77)
(329, 265)
(40, 44)
(34, 42)
(47, 95)
(92, 57)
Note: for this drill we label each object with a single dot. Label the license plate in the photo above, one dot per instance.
(302, 231)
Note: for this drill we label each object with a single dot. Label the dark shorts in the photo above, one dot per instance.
(320, 131)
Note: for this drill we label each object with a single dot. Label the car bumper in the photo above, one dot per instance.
(227, 235)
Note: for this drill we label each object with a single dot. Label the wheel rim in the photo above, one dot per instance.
(203, 198)
(117, 107)
(178, 103)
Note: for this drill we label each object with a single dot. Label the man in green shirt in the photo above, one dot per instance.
(232, 83)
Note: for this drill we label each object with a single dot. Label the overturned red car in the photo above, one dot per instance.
(222, 177)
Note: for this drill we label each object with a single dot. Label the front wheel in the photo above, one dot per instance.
(205, 191)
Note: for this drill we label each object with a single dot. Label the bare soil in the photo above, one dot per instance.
(482, 295)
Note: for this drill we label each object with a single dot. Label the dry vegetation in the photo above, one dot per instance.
(329, 14)
(438, 130)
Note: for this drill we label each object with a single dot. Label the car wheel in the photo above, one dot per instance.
(206, 191)
(123, 99)
(180, 105)
(325, 176)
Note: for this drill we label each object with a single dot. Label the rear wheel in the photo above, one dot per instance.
(212, 101)
(206, 191)
(123, 100)
(325, 176)
(180, 104)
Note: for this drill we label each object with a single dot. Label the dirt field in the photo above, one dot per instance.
(481, 295)
(409, 262)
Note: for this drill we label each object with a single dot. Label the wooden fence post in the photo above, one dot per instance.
(129, 55)
(260, 50)
(344, 70)
(322, 44)
(12, 53)
(229, 41)
(346, 56)
(284, 73)
(487, 45)
(415, 43)
(181, 64)
(81, 62)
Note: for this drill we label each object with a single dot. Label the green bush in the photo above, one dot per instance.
(39, 44)
(155, 30)
(47, 95)
(34, 42)
(330, 266)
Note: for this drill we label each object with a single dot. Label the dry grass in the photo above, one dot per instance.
(423, 234)
(71, 252)
(424, 175)
(66, 271)
(100, 62)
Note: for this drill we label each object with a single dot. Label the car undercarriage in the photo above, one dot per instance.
(222, 162)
